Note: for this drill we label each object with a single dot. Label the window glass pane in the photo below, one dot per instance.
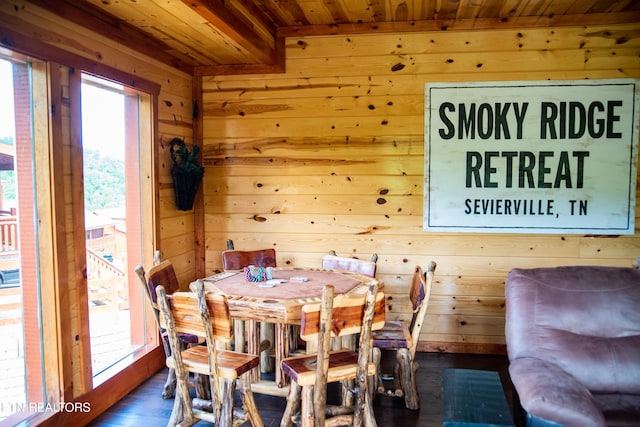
(111, 199)
(20, 354)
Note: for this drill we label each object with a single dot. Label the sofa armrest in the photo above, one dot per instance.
(548, 392)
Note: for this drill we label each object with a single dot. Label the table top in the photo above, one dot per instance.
(282, 302)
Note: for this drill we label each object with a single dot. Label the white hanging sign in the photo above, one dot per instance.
(531, 157)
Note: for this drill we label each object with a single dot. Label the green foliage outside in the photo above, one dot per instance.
(103, 181)
(8, 179)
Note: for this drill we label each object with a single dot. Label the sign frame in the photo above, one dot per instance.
(556, 157)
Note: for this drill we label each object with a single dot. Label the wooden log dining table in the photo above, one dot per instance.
(280, 304)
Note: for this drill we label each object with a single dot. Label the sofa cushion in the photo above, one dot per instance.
(584, 319)
(605, 365)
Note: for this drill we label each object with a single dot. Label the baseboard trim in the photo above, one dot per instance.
(455, 347)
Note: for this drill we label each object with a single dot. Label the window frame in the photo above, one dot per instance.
(53, 243)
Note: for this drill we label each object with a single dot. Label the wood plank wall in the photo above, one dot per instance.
(329, 155)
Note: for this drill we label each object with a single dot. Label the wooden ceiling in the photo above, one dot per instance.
(224, 36)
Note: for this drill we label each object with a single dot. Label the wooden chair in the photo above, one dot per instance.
(334, 262)
(162, 273)
(207, 316)
(403, 337)
(233, 259)
(354, 265)
(310, 374)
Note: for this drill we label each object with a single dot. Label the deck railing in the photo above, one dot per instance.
(9, 234)
(107, 284)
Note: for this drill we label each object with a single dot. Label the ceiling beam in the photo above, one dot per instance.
(226, 22)
(94, 19)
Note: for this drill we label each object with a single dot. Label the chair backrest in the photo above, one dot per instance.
(355, 265)
(347, 315)
(186, 313)
(419, 295)
(162, 274)
(237, 260)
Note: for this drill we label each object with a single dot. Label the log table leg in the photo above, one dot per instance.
(267, 332)
(253, 345)
(281, 352)
(239, 335)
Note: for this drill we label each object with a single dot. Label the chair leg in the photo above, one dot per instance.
(408, 378)
(182, 413)
(306, 407)
(170, 385)
(176, 412)
(226, 414)
(293, 403)
(249, 403)
(377, 386)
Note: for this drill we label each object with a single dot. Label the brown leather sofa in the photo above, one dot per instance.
(573, 341)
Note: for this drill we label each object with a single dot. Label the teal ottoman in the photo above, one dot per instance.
(473, 398)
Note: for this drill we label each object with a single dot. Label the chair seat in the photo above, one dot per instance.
(394, 335)
(343, 364)
(231, 364)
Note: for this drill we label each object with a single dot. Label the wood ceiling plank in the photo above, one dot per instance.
(338, 11)
(221, 18)
(535, 7)
(581, 6)
(316, 11)
(469, 9)
(558, 7)
(490, 9)
(283, 12)
(360, 11)
(461, 24)
(511, 8)
(448, 9)
(423, 10)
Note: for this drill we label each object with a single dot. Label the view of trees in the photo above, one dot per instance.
(103, 181)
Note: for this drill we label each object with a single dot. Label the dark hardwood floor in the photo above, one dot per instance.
(145, 407)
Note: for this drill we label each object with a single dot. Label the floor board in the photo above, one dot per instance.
(145, 407)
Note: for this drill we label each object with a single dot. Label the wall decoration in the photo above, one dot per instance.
(187, 173)
(531, 156)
